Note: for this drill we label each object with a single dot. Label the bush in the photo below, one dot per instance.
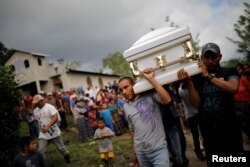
(9, 100)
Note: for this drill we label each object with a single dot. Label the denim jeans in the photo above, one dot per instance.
(157, 158)
(174, 142)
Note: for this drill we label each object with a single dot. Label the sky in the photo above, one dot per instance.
(89, 30)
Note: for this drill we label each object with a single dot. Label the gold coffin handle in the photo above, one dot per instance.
(136, 71)
(180, 60)
(161, 62)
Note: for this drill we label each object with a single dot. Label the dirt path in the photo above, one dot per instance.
(193, 160)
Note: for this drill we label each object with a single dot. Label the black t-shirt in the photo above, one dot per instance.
(32, 160)
(217, 106)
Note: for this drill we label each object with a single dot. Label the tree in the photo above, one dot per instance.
(232, 63)
(73, 65)
(117, 63)
(100, 70)
(196, 41)
(3, 53)
(9, 124)
(242, 29)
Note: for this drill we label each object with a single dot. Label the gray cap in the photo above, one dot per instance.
(210, 47)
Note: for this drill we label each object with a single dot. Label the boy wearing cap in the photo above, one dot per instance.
(212, 93)
(47, 117)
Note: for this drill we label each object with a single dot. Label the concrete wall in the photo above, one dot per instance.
(75, 80)
(45, 74)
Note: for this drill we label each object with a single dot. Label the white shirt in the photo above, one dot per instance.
(189, 110)
(90, 92)
(44, 116)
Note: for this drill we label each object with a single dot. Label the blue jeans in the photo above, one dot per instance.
(157, 158)
(174, 143)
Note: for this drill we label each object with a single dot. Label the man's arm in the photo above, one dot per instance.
(52, 122)
(230, 86)
(134, 159)
(163, 94)
(193, 94)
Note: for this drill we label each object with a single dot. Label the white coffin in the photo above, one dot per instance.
(175, 45)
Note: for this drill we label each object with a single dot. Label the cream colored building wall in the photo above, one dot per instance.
(76, 80)
(43, 75)
(23, 75)
(48, 86)
(33, 73)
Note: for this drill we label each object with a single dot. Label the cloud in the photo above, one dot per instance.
(88, 31)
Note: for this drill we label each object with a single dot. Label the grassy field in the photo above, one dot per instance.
(85, 154)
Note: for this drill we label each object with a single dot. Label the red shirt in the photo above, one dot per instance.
(243, 94)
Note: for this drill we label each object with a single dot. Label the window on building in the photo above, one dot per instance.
(26, 63)
(39, 61)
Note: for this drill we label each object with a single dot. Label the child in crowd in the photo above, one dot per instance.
(116, 117)
(32, 122)
(92, 118)
(105, 113)
(85, 131)
(29, 156)
(104, 135)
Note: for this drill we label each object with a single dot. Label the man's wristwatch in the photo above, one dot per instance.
(209, 77)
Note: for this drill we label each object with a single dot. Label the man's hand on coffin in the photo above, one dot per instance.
(194, 96)
(162, 93)
(203, 68)
(183, 75)
(147, 73)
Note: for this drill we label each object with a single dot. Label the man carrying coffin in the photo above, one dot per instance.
(212, 93)
(145, 121)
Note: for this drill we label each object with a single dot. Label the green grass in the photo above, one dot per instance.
(85, 154)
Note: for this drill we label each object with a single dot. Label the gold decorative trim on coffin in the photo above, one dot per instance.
(165, 50)
(161, 61)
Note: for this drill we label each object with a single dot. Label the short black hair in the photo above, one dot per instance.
(130, 79)
(101, 119)
(240, 65)
(25, 142)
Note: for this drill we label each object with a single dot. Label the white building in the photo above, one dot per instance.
(34, 73)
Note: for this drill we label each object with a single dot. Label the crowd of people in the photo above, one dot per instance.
(47, 115)
(214, 105)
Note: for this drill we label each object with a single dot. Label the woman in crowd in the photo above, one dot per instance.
(242, 100)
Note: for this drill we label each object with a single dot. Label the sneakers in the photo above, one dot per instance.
(200, 156)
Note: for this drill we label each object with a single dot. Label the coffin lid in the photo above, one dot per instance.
(156, 38)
